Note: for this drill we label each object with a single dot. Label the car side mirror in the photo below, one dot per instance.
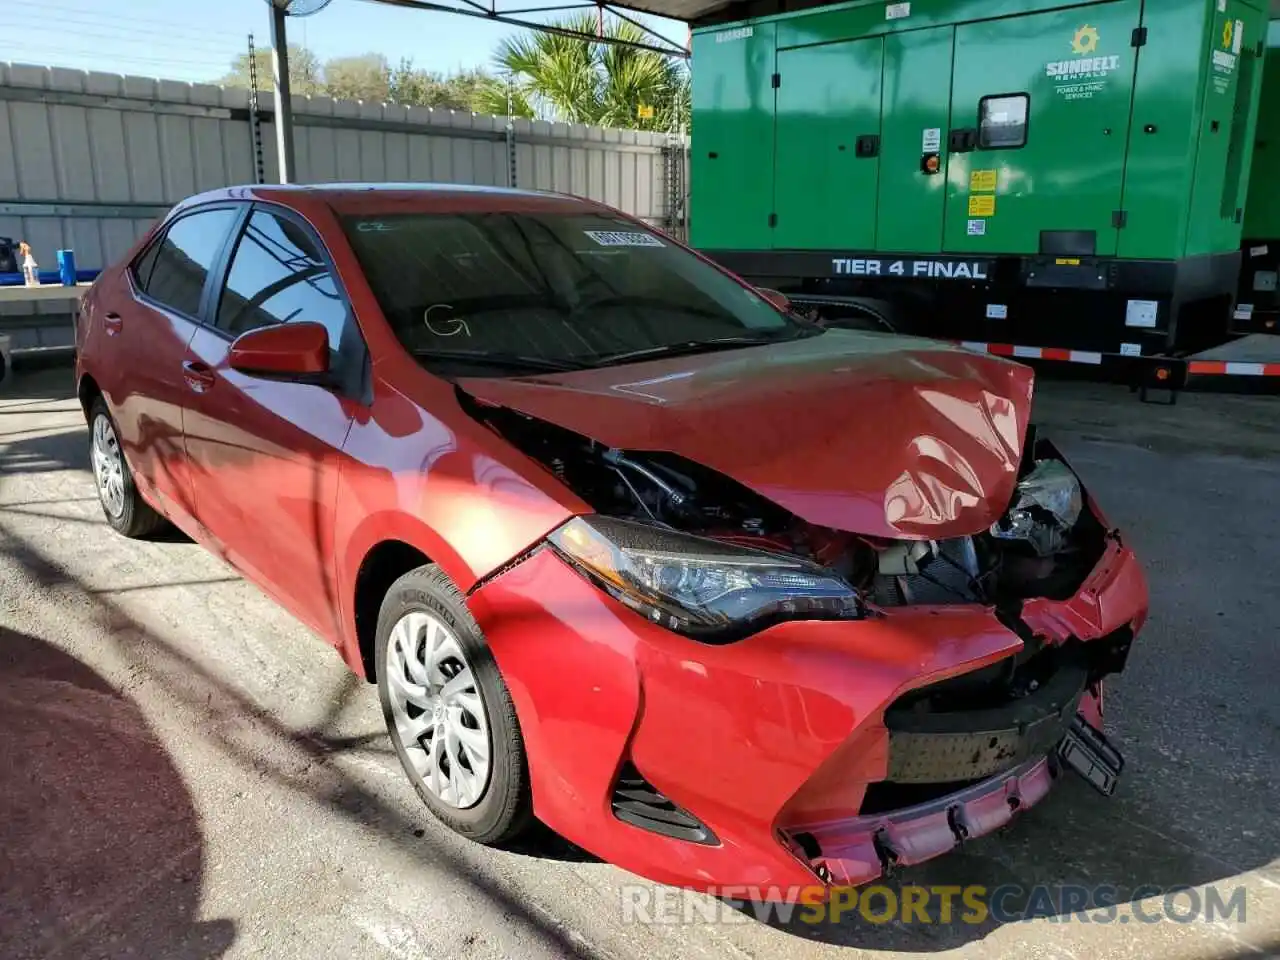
(775, 297)
(282, 350)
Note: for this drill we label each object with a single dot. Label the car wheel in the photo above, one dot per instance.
(448, 712)
(123, 505)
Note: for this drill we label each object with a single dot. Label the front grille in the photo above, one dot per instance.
(956, 732)
(637, 802)
(975, 726)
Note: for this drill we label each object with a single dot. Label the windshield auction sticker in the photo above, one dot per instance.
(623, 238)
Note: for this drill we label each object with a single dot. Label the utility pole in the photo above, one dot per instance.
(284, 104)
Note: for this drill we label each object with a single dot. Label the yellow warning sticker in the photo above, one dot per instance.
(983, 181)
(982, 205)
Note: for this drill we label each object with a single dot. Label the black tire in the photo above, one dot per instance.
(504, 809)
(136, 518)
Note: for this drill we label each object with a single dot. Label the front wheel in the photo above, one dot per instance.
(448, 712)
(123, 505)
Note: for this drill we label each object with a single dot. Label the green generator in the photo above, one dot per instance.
(1030, 172)
(1258, 302)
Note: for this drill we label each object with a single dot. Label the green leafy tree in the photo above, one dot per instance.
(425, 88)
(304, 71)
(366, 77)
(554, 77)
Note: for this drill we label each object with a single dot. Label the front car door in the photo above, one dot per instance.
(148, 322)
(265, 452)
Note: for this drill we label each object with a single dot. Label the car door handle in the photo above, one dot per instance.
(113, 323)
(199, 376)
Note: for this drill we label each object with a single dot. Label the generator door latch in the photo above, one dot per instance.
(868, 145)
(963, 140)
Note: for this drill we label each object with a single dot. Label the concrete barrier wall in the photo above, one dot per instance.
(90, 160)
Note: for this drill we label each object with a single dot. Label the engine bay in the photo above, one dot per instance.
(1044, 546)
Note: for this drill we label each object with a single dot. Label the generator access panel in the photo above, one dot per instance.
(1099, 146)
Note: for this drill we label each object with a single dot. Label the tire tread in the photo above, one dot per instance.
(513, 808)
(139, 519)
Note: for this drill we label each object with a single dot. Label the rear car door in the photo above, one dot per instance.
(1040, 110)
(147, 325)
(265, 451)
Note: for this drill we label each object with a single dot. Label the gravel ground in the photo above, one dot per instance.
(188, 773)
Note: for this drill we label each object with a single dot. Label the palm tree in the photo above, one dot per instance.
(553, 77)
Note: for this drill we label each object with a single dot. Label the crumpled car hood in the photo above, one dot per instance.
(869, 433)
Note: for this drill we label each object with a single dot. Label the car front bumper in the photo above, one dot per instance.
(770, 742)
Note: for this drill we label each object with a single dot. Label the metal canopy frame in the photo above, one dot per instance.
(516, 18)
(467, 8)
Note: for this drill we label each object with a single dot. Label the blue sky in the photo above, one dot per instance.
(196, 39)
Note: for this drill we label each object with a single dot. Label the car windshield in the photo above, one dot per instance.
(518, 293)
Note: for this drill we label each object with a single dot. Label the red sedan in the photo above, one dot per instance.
(721, 595)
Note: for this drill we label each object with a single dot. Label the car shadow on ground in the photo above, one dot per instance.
(27, 385)
(100, 849)
(543, 843)
(1133, 842)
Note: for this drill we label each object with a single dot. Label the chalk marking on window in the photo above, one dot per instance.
(460, 325)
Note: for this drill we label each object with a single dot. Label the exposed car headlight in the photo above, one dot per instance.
(706, 589)
(1046, 505)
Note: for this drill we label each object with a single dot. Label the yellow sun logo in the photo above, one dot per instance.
(1085, 40)
(1228, 34)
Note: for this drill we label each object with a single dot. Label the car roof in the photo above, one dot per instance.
(371, 198)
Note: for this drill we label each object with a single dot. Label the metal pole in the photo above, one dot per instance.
(255, 117)
(511, 140)
(284, 106)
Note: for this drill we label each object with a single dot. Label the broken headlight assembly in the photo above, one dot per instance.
(703, 588)
(1046, 506)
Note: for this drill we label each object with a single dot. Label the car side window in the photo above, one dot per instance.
(184, 258)
(279, 276)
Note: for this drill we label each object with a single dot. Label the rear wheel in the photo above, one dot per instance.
(123, 505)
(448, 712)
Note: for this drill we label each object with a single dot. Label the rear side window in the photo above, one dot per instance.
(142, 266)
(277, 276)
(184, 258)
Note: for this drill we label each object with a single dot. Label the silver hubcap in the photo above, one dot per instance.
(439, 715)
(108, 466)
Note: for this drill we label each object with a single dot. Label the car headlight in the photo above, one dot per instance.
(706, 589)
(1046, 505)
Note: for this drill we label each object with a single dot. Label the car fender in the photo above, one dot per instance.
(373, 530)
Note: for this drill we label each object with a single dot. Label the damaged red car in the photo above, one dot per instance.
(719, 594)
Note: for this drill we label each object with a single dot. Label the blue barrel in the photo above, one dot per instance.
(67, 267)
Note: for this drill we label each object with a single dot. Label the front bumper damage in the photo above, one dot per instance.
(792, 757)
(860, 849)
(954, 776)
